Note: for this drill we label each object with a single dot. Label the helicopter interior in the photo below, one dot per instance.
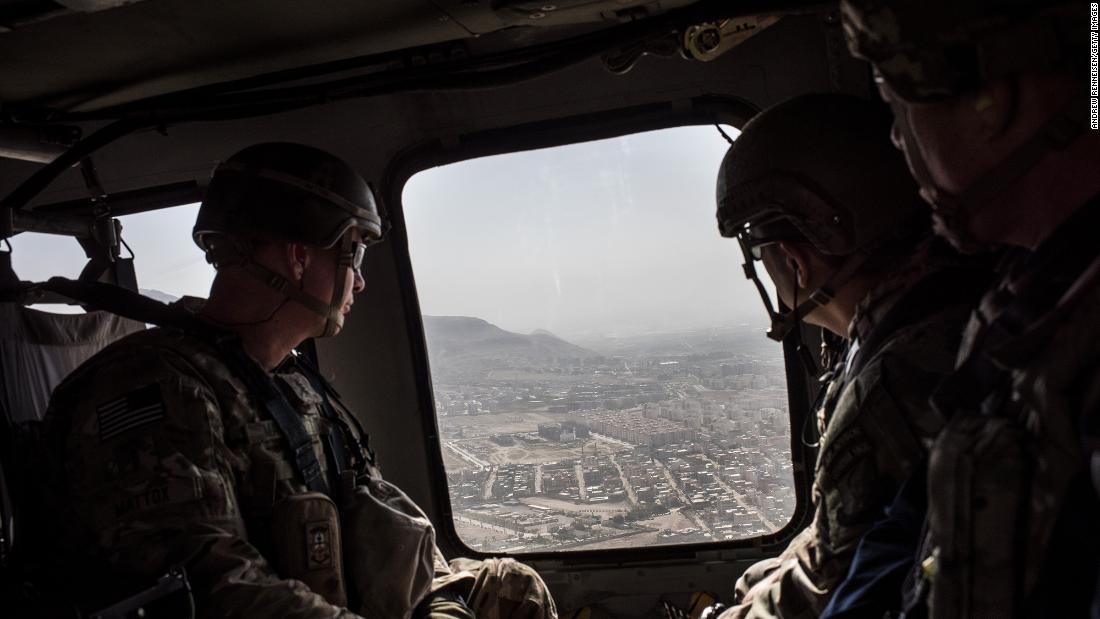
(116, 108)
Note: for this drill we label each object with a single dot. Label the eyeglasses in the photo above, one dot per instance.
(357, 255)
(352, 253)
(754, 246)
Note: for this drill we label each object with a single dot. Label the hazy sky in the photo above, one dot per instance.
(609, 237)
(613, 237)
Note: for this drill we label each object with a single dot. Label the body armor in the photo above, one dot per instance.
(877, 427)
(1012, 517)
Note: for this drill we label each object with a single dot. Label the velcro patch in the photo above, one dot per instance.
(318, 544)
(130, 411)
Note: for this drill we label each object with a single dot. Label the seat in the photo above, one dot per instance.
(37, 351)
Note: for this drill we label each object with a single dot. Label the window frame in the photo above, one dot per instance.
(703, 110)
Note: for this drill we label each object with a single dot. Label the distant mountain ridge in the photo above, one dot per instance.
(466, 338)
(158, 295)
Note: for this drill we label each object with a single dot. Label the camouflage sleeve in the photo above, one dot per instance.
(879, 431)
(151, 484)
(761, 571)
(443, 605)
(785, 585)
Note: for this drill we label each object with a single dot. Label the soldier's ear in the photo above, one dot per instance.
(298, 258)
(797, 259)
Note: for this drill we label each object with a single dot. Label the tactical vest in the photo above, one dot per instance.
(1005, 470)
(876, 428)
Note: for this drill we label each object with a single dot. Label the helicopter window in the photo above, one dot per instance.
(600, 371)
(167, 263)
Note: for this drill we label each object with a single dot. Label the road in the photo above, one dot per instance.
(626, 482)
(613, 441)
(594, 543)
(493, 527)
(740, 498)
(580, 481)
(690, 513)
(467, 456)
(487, 490)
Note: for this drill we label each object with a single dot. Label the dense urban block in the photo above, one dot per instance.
(662, 439)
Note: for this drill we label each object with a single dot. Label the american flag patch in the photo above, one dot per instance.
(133, 410)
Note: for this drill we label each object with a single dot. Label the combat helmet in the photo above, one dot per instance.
(820, 168)
(924, 51)
(927, 50)
(287, 192)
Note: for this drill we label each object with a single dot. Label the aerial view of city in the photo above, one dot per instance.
(663, 438)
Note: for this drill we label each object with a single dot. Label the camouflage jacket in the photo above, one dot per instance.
(1013, 518)
(160, 456)
(877, 426)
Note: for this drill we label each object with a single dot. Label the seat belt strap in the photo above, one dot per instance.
(129, 304)
(287, 419)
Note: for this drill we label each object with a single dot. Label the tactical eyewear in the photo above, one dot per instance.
(893, 89)
(352, 253)
(756, 245)
(357, 255)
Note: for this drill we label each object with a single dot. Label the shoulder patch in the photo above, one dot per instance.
(130, 411)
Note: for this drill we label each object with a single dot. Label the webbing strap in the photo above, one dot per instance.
(337, 453)
(328, 397)
(286, 418)
(331, 399)
(131, 305)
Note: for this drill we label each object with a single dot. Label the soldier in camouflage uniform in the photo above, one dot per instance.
(813, 189)
(992, 112)
(210, 444)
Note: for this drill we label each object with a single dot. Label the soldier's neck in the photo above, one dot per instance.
(837, 315)
(268, 331)
(269, 349)
(1050, 193)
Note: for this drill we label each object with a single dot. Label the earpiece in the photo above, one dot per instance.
(984, 102)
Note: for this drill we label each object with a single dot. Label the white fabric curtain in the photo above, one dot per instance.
(39, 349)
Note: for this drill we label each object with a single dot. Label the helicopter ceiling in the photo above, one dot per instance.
(85, 55)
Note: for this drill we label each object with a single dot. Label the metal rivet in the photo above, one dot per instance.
(548, 7)
(537, 15)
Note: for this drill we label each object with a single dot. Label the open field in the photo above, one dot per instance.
(476, 430)
(497, 423)
(606, 509)
(673, 521)
(570, 380)
(453, 463)
(533, 453)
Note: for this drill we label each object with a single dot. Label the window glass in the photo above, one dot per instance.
(601, 374)
(168, 263)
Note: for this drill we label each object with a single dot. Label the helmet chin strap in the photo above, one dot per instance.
(230, 253)
(334, 315)
(953, 212)
(782, 323)
(785, 322)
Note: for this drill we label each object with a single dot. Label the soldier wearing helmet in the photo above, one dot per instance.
(992, 111)
(210, 445)
(813, 189)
